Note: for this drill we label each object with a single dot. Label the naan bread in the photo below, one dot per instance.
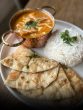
(75, 80)
(49, 85)
(25, 60)
(59, 89)
(41, 64)
(29, 81)
(18, 59)
(31, 93)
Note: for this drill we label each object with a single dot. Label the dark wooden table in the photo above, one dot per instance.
(67, 10)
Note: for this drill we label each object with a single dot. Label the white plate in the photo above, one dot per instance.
(5, 51)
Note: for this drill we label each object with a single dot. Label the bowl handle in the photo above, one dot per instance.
(52, 8)
(9, 44)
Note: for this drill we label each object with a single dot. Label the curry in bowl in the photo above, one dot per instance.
(33, 24)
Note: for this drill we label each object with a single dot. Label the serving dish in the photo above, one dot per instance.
(32, 26)
(5, 51)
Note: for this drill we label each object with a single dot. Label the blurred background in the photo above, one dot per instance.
(7, 9)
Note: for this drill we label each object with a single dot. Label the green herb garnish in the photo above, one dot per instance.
(31, 24)
(67, 38)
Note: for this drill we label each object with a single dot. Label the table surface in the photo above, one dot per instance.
(67, 10)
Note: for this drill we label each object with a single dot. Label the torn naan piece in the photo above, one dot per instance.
(18, 59)
(59, 89)
(29, 81)
(26, 60)
(41, 64)
(76, 80)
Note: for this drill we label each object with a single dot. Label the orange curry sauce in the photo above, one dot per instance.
(43, 24)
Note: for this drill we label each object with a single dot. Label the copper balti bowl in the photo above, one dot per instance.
(35, 42)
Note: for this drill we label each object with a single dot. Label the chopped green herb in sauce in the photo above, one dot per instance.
(32, 24)
(67, 38)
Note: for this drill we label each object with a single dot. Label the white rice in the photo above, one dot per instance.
(66, 54)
